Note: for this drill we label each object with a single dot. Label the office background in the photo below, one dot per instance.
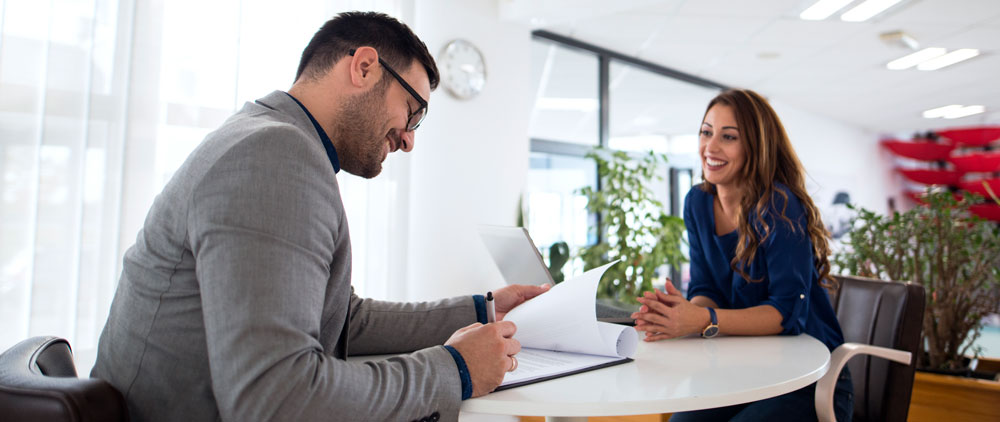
(101, 100)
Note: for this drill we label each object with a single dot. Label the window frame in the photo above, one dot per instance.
(604, 59)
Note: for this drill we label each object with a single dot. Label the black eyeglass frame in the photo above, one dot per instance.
(421, 111)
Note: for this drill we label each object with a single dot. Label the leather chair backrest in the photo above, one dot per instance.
(38, 382)
(888, 314)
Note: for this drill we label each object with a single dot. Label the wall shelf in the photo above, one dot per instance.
(923, 150)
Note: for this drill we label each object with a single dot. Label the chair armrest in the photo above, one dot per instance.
(825, 386)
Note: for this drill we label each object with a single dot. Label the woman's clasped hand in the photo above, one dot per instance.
(668, 314)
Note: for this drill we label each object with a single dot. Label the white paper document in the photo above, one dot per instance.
(560, 334)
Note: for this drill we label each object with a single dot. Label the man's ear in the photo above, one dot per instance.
(364, 67)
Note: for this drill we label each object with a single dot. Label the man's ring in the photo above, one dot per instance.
(513, 364)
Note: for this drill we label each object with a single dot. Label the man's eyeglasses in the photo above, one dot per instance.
(417, 116)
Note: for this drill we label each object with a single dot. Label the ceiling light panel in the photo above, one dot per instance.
(954, 111)
(965, 112)
(867, 10)
(949, 59)
(941, 111)
(823, 9)
(915, 59)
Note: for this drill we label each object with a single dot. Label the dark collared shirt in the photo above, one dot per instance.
(331, 152)
(784, 264)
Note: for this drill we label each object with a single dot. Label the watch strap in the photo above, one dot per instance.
(713, 326)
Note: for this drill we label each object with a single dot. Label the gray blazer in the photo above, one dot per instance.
(235, 303)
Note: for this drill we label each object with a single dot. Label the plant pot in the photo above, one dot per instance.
(964, 373)
(983, 368)
(989, 365)
(938, 397)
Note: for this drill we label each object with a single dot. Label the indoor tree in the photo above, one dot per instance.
(632, 225)
(953, 254)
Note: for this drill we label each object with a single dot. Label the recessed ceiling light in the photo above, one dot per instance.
(941, 111)
(823, 9)
(913, 59)
(866, 10)
(949, 59)
(965, 111)
(953, 111)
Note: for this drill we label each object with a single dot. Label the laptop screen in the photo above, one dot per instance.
(515, 255)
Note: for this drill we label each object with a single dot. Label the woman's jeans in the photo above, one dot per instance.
(798, 405)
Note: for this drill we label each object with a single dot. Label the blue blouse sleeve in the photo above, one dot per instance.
(701, 279)
(788, 255)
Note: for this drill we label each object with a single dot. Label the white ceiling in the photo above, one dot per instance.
(829, 67)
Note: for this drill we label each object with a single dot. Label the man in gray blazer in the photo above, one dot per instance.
(235, 303)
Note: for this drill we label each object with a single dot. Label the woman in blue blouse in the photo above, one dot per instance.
(759, 252)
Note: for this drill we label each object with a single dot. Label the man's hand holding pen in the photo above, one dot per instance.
(488, 350)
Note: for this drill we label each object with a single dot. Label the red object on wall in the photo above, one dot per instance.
(987, 211)
(933, 177)
(976, 186)
(973, 136)
(921, 150)
(977, 162)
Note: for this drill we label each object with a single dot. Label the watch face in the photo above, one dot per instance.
(463, 71)
(711, 331)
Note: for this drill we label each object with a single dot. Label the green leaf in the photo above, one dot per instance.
(633, 224)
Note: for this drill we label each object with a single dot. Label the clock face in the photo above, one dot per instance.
(463, 71)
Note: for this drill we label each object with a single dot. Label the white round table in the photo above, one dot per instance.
(671, 376)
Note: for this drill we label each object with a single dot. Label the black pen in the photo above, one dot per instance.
(491, 313)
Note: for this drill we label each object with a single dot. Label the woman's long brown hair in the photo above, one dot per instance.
(770, 158)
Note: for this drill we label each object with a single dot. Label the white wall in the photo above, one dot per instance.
(839, 157)
(471, 157)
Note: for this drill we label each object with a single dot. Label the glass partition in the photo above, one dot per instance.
(555, 210)
(650, 111)
(582, 90)
(566, 94)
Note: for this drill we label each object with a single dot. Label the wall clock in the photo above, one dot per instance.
(463, 70)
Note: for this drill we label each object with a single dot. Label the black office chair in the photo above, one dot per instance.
(38, 382)
(883, 319)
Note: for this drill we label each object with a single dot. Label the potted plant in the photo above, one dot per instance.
(956, 257)
(631, 226)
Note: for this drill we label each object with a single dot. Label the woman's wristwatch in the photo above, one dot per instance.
(712, 329)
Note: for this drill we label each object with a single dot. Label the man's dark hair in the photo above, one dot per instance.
(394, 41)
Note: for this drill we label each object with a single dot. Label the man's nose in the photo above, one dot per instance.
(407, 138)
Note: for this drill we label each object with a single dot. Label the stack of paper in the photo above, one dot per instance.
(560, 334)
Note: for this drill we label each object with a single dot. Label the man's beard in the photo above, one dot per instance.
(357, 131)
